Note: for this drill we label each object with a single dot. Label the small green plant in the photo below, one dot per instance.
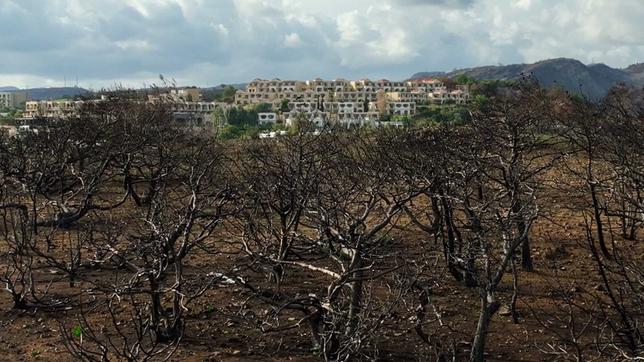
(210, 308)
(35, 354)
(77, 331)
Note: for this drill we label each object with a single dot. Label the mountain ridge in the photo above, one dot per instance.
(592, 80)
(50, 93)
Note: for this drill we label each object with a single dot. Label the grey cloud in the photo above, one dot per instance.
(117, 39)
(448, 3)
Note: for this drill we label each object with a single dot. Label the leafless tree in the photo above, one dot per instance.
(516, 132)
(190, 202)
(279, 178)
(122, 189)
(352, 205)
(606, 136)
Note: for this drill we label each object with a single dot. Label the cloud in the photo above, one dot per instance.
(292, 40)
(209, 42)
(448, 3)
(375, 37)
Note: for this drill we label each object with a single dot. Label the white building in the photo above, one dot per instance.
(267, 118)
(402, 108)
(12, 99)
(340, 99)
(193, 112)
(51, 109)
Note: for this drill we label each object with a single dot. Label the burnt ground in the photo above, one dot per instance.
(225, 324)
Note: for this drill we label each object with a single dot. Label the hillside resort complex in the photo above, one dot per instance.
(283, 101)
(345, 101)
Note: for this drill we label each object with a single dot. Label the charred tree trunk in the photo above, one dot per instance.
(515, 293)
(356, 292)
(526, 255)
(489, 306)
(449, 245)
(598, 220)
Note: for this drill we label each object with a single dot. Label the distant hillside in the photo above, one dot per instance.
(593, 80)
(222, 86)
(39, 94)
(427, 75)
(636, 71)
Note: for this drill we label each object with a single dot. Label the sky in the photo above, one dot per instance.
(208, 42)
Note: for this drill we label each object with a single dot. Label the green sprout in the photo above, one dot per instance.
(77, 331)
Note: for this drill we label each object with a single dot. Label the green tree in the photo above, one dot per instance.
(463, 79)
(227, 95)
(481, 100)
(284, 107)
(263, 107)
(8, 117)
(230, 132)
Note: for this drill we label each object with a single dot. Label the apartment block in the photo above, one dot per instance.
(181, 110)
(342, 99)
(51, 109)
(191, 94)
(12, 99)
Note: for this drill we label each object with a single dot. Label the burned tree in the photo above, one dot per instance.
(427, 160)
(492, 227)
(191, 202)
(518, 143)
(278, 180)
(354, 200)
